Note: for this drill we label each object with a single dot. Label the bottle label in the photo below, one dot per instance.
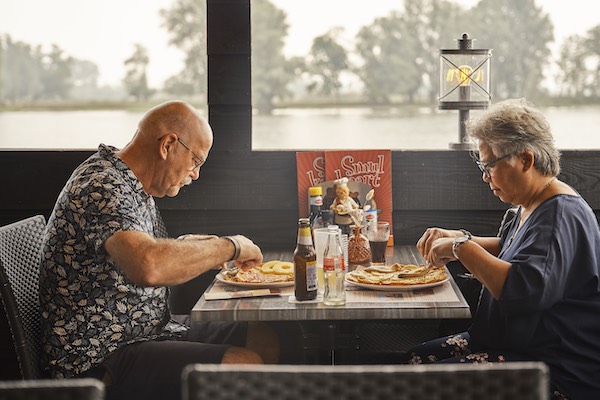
(316, 201)
(334, 263)
(304, 236)
(371, 217)
(311, 276)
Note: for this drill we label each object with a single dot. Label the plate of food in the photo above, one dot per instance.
(271, 274)
(398, 277)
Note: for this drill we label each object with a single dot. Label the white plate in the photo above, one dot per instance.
(220, 278)
(396, 288)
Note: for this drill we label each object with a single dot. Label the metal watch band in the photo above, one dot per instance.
(456, 243)
(466, 233)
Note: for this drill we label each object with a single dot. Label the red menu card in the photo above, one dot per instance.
(371, 167)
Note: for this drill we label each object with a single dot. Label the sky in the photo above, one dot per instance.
(105, 31)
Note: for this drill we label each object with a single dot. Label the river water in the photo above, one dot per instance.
(292, 129)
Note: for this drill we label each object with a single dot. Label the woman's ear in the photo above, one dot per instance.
(528, 159)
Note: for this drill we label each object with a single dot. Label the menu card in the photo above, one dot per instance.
(220, 291)
(367, 167)
(354, 294)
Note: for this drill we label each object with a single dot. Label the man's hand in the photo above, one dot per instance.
(250, 253)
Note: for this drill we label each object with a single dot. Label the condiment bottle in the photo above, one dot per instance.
(359, 250)
(305, 264)
(315, 202)
(334, 271)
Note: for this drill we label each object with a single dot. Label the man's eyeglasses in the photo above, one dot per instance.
(198, 161)
(485, 168)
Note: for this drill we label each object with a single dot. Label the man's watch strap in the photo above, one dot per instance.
(237, 247)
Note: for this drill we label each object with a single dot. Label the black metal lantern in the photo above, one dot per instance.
(464, 83)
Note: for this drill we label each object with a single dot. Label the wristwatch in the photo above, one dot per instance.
(457, 242)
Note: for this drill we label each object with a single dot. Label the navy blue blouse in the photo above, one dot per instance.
(549, 308)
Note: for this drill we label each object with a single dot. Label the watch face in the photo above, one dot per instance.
(462, 239)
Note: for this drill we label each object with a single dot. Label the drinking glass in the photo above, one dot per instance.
(378, 235)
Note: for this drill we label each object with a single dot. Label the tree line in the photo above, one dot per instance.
(392, 60)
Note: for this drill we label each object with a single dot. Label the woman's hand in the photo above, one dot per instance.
(440, 252)
(425, 244)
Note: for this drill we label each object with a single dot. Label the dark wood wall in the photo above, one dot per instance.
(254, 193)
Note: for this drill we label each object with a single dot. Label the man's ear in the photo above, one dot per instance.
(167, 143)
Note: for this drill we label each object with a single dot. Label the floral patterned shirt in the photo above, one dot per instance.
(89, 306)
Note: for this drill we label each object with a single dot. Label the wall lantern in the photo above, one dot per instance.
(464, 83)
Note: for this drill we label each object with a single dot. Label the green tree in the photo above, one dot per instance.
(186, 23)
(270, 70)
(386, 70)
(84, 78)
(519, 33)
(56, 74)
(136, 81)
(326, 62)
(592, 43)
(21, 71)
(2, 66)
(572, 76)
(433, 24)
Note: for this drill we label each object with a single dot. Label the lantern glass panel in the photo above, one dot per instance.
(465, 79)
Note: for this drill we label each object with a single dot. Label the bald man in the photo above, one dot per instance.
(105, 270)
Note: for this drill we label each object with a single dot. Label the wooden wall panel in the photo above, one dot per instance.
(228, 28)
(257, 182)
(232, 127)
(228, 78)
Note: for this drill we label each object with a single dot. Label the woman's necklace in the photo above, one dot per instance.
(521, 219)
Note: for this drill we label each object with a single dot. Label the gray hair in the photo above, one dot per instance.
(513, 126)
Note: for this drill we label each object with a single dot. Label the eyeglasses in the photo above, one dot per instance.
(485, 168)
(198, 161)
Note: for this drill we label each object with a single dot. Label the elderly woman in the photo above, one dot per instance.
(541, 277)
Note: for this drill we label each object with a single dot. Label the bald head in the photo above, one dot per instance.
(171, 139)
(174, 116)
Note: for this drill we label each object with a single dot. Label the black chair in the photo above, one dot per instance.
(500, 381)
(61, 389)
(20, 254)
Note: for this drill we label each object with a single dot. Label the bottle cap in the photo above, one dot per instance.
(315, 191)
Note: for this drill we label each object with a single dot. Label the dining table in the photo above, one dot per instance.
(444, 301)
(224, 301)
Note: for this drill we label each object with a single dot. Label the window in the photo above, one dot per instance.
(364, 79)
(338, 74)
(75, 74)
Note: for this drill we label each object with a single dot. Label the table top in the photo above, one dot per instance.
(440, 302)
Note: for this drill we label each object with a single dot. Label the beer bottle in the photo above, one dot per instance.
(305, 264)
